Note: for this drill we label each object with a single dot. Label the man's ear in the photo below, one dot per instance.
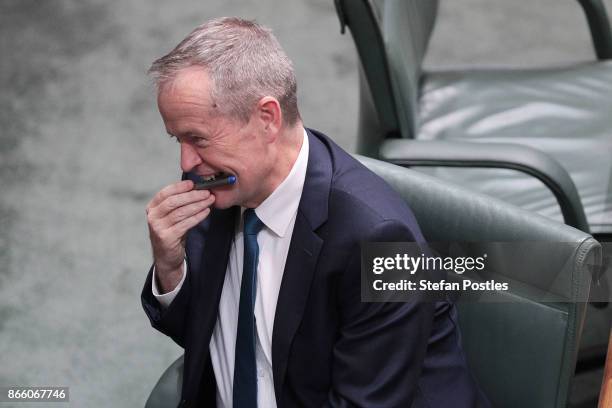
(270, 115)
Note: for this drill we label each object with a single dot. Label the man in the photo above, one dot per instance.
(259, 281)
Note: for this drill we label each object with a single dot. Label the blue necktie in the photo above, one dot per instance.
(245, 367)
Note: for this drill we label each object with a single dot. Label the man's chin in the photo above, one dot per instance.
(225, 197)
(222, 205)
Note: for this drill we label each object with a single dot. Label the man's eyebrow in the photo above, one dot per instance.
(188, 133)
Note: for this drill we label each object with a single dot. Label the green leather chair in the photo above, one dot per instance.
(549, 125)
(540, 139)
(521, 351)
(167, 391)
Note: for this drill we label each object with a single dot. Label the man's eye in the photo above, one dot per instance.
(200, 142)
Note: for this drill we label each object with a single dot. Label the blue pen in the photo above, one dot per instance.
(223, 181)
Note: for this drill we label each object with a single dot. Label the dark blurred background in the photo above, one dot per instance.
(82, 150)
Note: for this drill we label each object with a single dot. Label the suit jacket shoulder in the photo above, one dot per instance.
(359, 199)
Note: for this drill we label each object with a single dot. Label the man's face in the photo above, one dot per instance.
(211, 143)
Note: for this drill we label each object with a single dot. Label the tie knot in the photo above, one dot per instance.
(252, 223)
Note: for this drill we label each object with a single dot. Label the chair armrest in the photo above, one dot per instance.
(407, 153)
(599, 25)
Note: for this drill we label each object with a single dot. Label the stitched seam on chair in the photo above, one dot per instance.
(571, 345)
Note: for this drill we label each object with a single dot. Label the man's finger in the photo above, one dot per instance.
(170, 190)
(182, 227)
(177, 201)
(186, 211)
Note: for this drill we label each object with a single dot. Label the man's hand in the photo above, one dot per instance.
(170, 214)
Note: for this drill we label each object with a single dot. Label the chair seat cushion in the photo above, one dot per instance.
(565, 112)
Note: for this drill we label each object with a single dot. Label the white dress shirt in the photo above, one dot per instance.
(277, 212)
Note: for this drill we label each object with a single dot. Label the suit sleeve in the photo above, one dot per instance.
(379, 354)
(170, 320)
(166, 299)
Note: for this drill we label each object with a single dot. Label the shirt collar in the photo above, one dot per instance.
(277, 211)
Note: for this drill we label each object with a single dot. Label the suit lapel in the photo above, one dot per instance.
(295, 287)
(301, 259)
(208, 259)
(215, 259)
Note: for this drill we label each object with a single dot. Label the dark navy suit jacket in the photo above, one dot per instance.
(328, 348)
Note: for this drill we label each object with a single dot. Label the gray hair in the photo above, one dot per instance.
(244, 61)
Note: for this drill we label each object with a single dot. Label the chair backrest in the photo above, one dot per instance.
(391, 38)
(406, 28)
(521, 350)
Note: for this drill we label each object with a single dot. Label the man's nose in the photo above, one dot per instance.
(189, 157)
